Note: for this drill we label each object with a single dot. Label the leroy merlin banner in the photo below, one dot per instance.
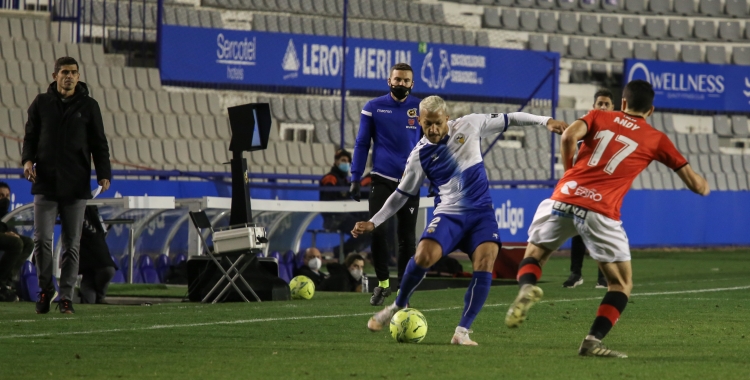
(694, 86)
(233, 57)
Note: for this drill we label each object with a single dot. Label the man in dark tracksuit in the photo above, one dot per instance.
(390, 122)
(339, 176)
(63, 132)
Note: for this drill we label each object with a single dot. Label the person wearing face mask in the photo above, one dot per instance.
(390, 123)
(17, 249)
(311, 269)
(339, 177)
(346, 277)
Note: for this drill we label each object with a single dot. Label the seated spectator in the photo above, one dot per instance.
(95, 266)
(339, 176)
(311, 268)
(17, 249)
(347, 277)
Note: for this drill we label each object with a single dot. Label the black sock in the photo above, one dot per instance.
(609, 312)
(529, 271)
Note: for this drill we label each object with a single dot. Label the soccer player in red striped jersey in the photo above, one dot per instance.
(617, 146)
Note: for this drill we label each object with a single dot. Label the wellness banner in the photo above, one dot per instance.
(233, 57)
(694, 86)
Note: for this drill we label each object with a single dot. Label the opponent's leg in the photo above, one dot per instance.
(479, 287)
(577, 252)
(428, 253)
(529, 272)
(620, 284)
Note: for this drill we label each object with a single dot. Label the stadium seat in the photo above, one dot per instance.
(566, 4)
(736, 8)
(741, 55)
(545, 4)
(729, 30)
(509, 19)
(598, 50)
(119, 277)
(704, 30)
(739, 126)
(611, 26)
(716, 55)
(577, 47)
(568, 23)
(709, 7)
(548, 22)
(631, 27)
(537, 42)
(589, 25)
(684, 7)
(621, 50)
(691, 53)
(666, 52)
(655, 28)
(556, 44)
(29, 282)
(659, 6)
(178, 259)
(528, 21)
(634, 6)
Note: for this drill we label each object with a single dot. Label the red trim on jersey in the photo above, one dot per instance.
(608, 311)
(529, 268)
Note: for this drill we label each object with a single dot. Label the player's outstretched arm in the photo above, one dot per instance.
(694, 181)
(569, 140)
(390, 208)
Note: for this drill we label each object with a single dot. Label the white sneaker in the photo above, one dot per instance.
(461, 337)
(527, 297)
(382, 318)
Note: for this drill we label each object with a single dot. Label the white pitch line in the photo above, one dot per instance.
(258, 320)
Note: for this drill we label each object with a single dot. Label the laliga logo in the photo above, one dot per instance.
(443, 71)
(290, 61)
(570, 185)
(509, 218)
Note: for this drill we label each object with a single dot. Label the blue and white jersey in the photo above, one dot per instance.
(454, 165)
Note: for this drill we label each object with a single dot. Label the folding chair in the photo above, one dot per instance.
(200, 221)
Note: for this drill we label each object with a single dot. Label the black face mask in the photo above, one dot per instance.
(4, 206)
(400, 92)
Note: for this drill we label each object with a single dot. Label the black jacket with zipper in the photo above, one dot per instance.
(61, 139)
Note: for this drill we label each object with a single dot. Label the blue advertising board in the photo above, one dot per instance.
(694, 86)
(234, 57)
(651, 218)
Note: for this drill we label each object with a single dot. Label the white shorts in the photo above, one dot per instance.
(555, 222)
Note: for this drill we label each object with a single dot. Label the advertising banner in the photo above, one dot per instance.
(694, 86)
(233, 57)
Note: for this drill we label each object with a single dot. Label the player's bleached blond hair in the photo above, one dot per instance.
(433, 103)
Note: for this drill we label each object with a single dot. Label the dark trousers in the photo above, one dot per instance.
(577, 252)
(407, 221)
(345, 223)
(17, 249)
(94, 284)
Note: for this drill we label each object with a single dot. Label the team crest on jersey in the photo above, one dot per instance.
(460, 138)
(412, 112)
(411, 121)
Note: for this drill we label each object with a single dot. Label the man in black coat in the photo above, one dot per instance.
(64, 131)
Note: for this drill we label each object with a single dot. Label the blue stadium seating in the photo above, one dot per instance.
(162, 267)
(29, 282)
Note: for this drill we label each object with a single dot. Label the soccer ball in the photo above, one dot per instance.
(302, 287)
(408, 326)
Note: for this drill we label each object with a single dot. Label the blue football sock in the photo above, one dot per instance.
(413, 275)
(476, 294)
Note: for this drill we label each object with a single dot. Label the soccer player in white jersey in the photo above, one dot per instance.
(449, 156)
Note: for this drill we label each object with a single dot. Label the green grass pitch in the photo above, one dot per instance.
(688, 318)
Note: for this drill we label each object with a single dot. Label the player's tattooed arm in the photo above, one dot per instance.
(569, 140)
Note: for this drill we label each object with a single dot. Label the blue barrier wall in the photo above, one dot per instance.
(694, 86)
(650, 217)
(233, 57)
